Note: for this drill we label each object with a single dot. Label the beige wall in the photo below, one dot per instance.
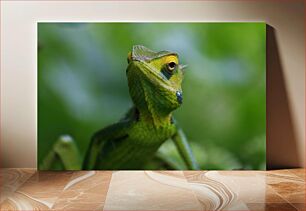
(18, 62)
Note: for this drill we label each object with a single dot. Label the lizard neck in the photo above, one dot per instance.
(155, 118)
(153, 103)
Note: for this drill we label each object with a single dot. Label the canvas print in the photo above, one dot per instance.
(151, 96)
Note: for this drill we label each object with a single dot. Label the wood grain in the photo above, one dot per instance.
(27, 189)
(149, 190)
(85, 191)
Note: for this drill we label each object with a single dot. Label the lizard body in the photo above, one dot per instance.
(154, 80)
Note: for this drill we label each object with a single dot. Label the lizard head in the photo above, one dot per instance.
(154, 79)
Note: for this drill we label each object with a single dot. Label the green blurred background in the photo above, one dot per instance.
(82, 85)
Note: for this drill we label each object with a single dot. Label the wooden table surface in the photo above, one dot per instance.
(28, 189)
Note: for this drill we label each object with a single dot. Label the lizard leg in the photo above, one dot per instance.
(64, 152)
(112, 133)
(184, 149)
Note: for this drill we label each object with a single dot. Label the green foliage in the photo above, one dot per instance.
(82, 85)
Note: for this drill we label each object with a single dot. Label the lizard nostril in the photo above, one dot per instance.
(179, 97)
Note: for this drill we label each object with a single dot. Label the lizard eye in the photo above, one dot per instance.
(171, 66)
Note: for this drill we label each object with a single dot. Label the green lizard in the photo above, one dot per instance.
(154, 80)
